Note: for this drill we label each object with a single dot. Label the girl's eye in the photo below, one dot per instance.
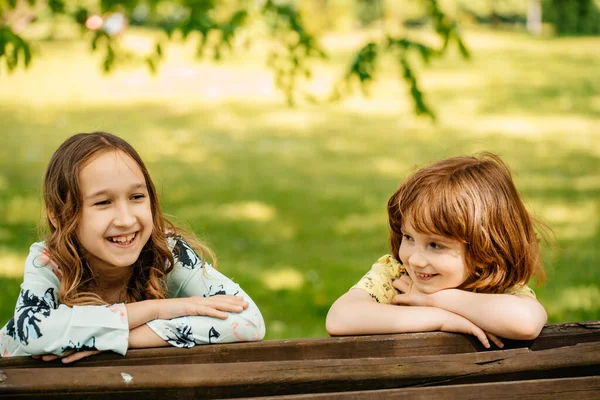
(437, 246)
(102, 203)
(407, 237)
(138, 196)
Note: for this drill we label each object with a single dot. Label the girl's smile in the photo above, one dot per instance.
(425, 277)
(123, 240)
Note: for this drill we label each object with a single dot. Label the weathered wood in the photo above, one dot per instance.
(224, 380)
(555, 389)
(276, 350)
(410, 344)
(567, 334)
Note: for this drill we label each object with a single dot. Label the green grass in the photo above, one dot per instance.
(293, 200)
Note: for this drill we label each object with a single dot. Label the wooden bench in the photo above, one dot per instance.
(563, 362)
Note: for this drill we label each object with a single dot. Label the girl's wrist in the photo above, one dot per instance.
(442, 317)
(438, 298)
(156, 312)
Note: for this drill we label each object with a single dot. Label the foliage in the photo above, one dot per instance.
(13, 49)
(218, 23)
(572, 17)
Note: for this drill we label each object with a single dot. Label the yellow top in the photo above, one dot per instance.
(378, 281)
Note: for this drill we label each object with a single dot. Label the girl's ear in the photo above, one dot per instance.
(52, 219)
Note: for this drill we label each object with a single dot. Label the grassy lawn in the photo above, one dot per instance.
(293, 199)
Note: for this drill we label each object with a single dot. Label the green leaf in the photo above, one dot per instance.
(81, 15)
(22, 46)
(151, 65)
(57, 6)
(11, 57)
(464, 51)
(109, 59)
(95, 39)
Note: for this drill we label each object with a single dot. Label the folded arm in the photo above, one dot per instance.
(509, 316)
(356, 313)
(193, 279)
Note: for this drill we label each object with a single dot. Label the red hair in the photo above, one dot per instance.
(473, 200)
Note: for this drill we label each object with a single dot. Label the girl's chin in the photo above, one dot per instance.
(427, 289)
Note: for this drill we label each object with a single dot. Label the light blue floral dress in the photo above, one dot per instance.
(43, 326)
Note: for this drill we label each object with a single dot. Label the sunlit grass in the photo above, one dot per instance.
(293, 199)
(11, 263)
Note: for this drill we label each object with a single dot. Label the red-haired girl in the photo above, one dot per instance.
(463, 249)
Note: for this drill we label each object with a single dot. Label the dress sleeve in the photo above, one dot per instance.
(43, 326)
(192, 277)
(378, 281)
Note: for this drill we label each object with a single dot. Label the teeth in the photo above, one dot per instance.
(122, 239)
(420, 275)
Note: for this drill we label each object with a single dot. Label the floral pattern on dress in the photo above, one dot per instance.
(30, 309)
(89, 345)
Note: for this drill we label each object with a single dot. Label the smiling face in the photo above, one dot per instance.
(433, 262)
(116, 218)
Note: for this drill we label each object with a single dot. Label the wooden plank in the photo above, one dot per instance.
(399, 345)
(567, 334)
(276, 350)
(307, 376)
(557, 389)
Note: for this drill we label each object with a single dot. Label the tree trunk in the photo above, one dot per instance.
(534, 17)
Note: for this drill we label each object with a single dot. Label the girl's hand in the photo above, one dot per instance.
(213, 306)
(410, 295)
(456, 323)
(68, 357)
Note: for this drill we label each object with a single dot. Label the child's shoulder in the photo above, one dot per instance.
(384, 272)
(37, 247)
(521, 290)
(377, 282)
(40, 259)
(387, 264)
(183, 253)
(172, 241)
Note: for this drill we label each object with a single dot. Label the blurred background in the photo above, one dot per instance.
(277, 130)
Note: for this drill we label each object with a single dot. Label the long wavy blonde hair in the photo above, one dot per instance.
(63, 201)
(473, 200)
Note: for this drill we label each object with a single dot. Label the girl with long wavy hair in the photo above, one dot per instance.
(462, 251)
(113, 272)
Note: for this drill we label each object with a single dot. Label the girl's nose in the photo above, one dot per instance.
(417, 259)
(124, 217)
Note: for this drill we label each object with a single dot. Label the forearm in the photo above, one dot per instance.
(508, 316)
(190, 331)
(77, 328)
(144, 337)
(355, 313)
(140, 312)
